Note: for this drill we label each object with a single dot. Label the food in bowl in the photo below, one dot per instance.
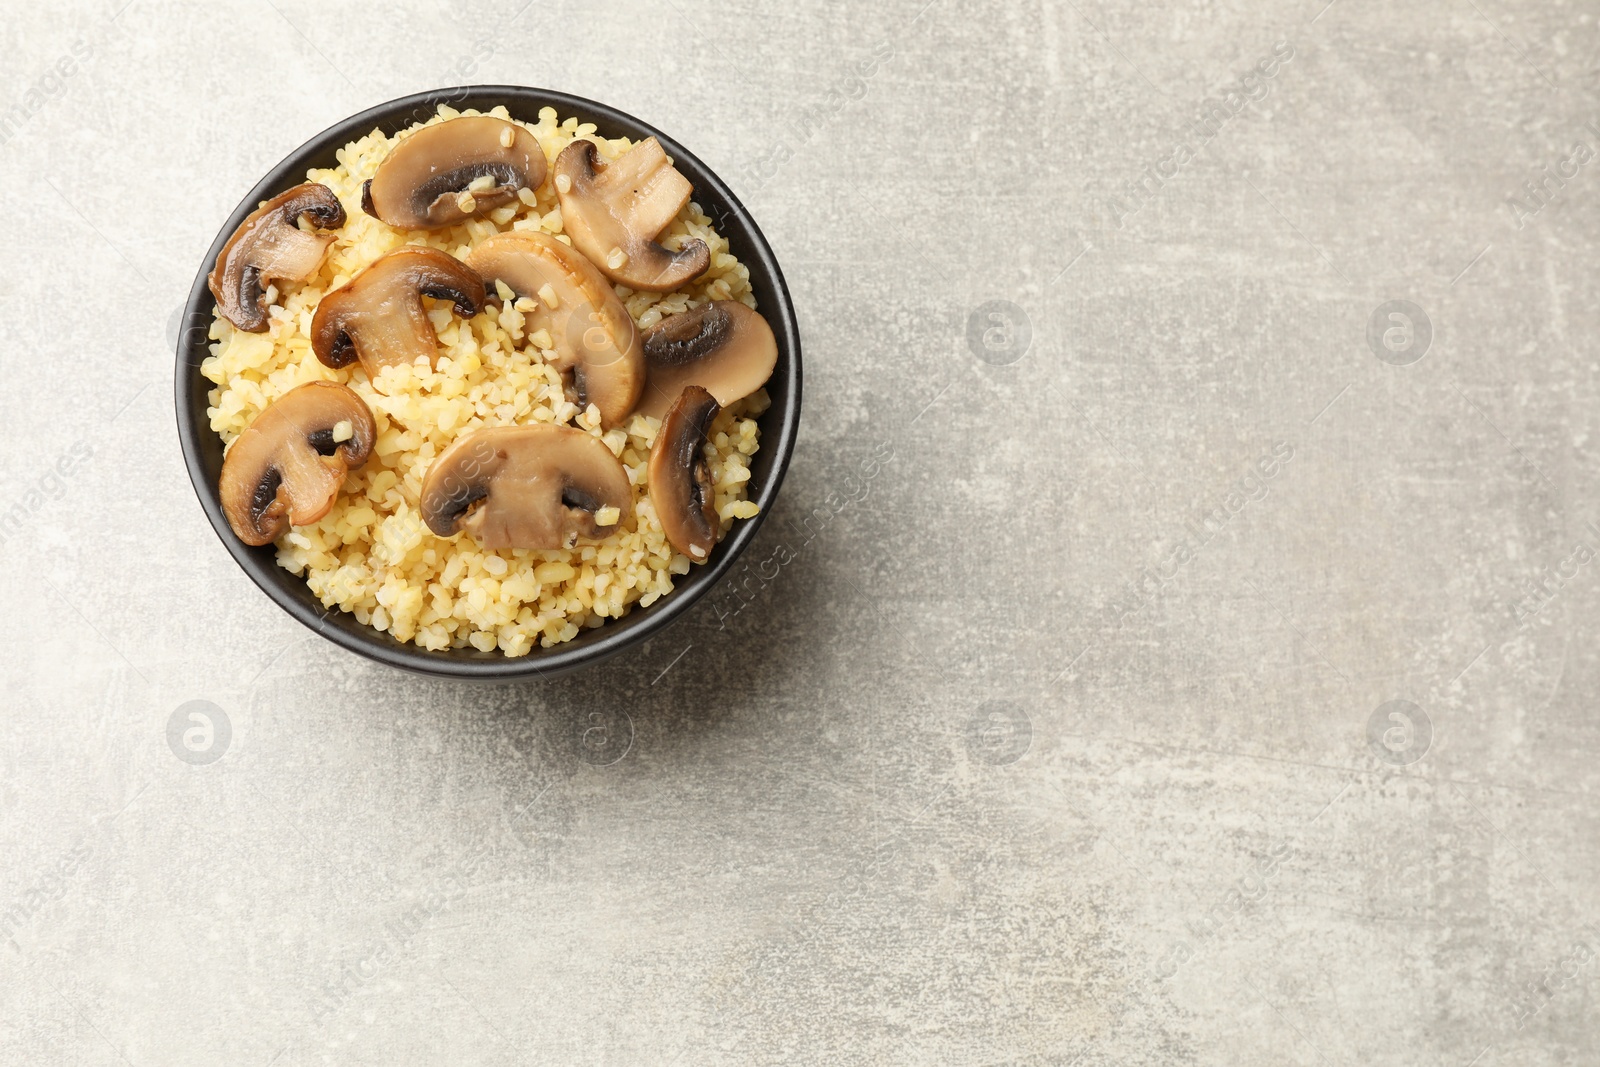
(560, 363)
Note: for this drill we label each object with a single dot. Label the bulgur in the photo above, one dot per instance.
(372, 555)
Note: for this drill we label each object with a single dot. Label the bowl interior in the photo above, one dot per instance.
(203, 448)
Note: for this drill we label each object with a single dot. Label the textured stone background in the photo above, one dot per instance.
(1022, 758)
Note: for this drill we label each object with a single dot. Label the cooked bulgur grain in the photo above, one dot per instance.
(372, 555)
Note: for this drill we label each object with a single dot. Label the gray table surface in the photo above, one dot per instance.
(1186, 646)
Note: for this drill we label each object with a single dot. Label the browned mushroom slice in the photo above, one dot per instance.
(724, 347)
(287, 467)
(595, 338)
(379, 318)
(614, 211)
(680, 479)
(539, 486)
(268, 247)
(445, 174)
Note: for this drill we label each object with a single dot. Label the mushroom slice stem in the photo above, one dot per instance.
(379, 317)
(434, 177)
(286, 468)
(680, 478)
(596, 341)
(535, 486)
(724, 347)
(269, 247)
(614, 211)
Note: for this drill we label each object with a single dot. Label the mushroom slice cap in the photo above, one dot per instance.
(595, 338)
(614, 211)
(680, 478)
(428, 180)
(269, 247)
(723, 347)
(379, 318)
(536, 486)
(286, 468)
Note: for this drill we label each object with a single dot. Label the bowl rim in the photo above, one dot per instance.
(589, 647)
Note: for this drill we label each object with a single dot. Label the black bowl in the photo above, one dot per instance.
(202, 449)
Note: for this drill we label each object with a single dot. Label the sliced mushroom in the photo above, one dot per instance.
(724, 347)
(680, 479)
(379, 318)
(268, 247)
(539, 486)
(614, 211)
(445, 174)
(595, 338)
(287, 467)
